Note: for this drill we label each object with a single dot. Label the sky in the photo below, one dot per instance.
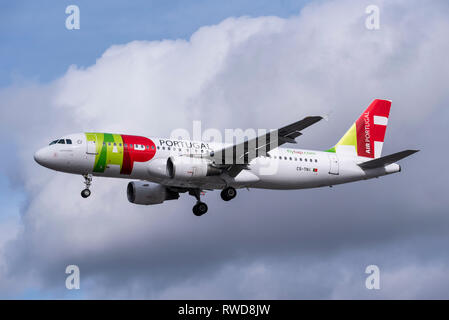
(153, 66)
(37, 46)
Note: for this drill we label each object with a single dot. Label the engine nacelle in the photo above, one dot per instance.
(187, 168)
(158, 168)
(142, 192)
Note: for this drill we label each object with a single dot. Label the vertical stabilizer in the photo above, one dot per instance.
(366, 136)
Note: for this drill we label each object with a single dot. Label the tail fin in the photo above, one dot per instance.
(366, 136)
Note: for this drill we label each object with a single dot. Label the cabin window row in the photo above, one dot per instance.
(180, 150)
(135, 146)
(295, 159)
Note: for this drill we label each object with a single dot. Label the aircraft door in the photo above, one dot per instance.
(92, 146)
(334, 166)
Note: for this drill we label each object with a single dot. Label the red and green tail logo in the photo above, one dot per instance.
(366, 136)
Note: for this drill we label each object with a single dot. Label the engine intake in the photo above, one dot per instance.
(188, 168)
(146, 193)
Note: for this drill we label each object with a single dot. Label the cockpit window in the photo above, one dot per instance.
(61, 141)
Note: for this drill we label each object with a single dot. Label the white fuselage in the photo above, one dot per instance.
(285, 168)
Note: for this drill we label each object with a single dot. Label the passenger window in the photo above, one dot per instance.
(285, 158)
(296, 159)
(131, 146)
(290, 158)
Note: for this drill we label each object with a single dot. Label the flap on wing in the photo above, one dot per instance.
(383, 161)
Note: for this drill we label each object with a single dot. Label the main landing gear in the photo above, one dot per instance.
(87, 181)
(199, 208)
(228, 193)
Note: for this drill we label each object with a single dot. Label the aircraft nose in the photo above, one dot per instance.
(40, 157)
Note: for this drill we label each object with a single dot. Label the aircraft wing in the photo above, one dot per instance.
(237, 156)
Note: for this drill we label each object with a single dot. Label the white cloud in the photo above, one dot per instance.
(243, 72)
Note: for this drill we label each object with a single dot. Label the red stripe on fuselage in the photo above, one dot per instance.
(131, 154)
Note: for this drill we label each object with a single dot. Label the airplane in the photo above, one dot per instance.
(163, 168)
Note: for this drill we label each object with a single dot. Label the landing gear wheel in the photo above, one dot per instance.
(85, 193)
(228, 193)
(87, 181)
(199, 209)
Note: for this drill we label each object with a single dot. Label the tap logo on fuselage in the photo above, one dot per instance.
(120, 150)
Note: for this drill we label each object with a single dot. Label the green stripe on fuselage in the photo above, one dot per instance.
(109, 150)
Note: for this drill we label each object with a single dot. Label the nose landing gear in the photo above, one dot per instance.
(87, 181)
(85, 193)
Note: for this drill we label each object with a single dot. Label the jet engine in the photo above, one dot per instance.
(187, 168)
(142, 192)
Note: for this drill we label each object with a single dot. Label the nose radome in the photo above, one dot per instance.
(39, 157)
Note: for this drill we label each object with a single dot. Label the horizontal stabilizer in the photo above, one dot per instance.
(383, 161)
